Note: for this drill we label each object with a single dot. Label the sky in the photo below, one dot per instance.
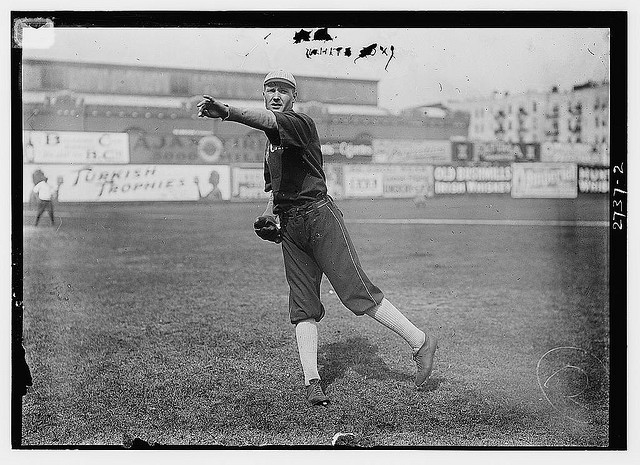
(426, 66)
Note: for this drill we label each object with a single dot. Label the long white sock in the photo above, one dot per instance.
(307, 337)
(393, 319)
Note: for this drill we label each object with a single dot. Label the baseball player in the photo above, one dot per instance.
(307, 222)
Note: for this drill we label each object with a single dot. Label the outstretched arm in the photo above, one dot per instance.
(263, 120)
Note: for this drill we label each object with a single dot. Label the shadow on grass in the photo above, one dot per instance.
(358, 354)
(432, 384)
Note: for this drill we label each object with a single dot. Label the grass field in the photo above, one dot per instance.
(169, 322)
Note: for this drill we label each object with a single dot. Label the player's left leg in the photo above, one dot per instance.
(423, 345)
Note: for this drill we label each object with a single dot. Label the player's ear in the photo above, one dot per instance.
(295, 95)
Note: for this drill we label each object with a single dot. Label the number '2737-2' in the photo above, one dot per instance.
(618, 204)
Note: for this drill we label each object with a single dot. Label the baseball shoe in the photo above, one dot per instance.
(315, 394)
(424, 360)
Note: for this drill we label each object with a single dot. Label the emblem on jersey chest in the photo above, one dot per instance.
(271, 149)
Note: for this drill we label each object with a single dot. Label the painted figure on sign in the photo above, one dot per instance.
(214, 195)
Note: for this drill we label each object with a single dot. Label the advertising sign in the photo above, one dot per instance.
(545, 180)
(75, 147)
(389, 181)
(124, 183)
(436, 152)
(407, 181)
(248, 183)
(592, 179)
(505, 152)
(362, 181)
(183, 148)
(335, 179)
(462, 152)
(472, 179)
(347, 152)
(244, 148)
(571, 153)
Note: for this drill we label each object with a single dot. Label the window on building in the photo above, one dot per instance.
(597, 121)
(509, 109)
(578, 139)
(535, 107)
(509, 125)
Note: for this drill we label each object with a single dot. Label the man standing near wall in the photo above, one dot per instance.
(308, 223)
(45, 194)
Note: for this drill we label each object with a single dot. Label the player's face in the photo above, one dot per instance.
(279, 96)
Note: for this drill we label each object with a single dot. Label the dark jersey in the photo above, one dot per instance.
(293, 162)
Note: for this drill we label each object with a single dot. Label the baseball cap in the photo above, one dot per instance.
(282, 76)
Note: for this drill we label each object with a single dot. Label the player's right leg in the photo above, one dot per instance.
(41, 207)
(305, 308)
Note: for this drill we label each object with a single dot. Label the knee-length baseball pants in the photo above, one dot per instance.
(316, 242)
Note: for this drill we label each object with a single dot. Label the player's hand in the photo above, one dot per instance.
(267, 228)
(209, 107)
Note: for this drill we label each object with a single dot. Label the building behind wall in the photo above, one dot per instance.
(577, 116)
(159, 103)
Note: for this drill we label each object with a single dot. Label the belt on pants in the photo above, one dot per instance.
(304, 209)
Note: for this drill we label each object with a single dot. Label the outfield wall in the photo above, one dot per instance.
(121, 167)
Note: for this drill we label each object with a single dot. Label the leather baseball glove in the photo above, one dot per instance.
(267, 229)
